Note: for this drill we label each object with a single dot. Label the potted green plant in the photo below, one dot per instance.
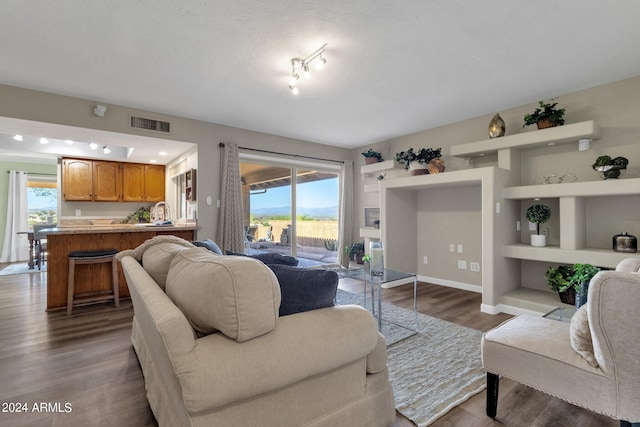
(538, 214)
(609, 168)
(371, 156)
(141, 215)
(559, 280)
(417, 161)
(355, 252)
(545, 115)
(582, 275)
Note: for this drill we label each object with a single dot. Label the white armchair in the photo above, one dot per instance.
(538, 352)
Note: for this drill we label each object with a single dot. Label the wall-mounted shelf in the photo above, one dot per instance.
(600, 257)
(527, 140)
(379, 167)
(610, 187)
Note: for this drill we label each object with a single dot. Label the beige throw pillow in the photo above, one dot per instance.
(238, 296)
(581, 336)
(157, 259)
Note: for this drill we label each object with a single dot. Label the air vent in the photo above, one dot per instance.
(150, 124)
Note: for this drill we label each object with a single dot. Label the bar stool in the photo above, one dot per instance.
(92, 257)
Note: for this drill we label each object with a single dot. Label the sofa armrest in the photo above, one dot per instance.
(220, 371)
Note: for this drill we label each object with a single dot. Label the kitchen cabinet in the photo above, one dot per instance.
(106, 181)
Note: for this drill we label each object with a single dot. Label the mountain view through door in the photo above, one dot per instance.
(297, 217)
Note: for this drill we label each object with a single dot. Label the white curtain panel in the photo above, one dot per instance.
(345, 228)
(230, 235)
(15, 246)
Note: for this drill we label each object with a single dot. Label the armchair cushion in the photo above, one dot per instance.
(237, 296)
(305, 289)
(157, 258)
(581, 336)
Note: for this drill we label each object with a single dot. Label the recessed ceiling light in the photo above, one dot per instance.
(163, 153)
(44, 141)
(153, 161)
(18, 137)
(93, 146)
(105, 149)
(68, 142)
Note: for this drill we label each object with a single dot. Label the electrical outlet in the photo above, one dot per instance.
(474, 266)
(425, 259)
(452, 247)
(459, 248)
(532, 226)
(462, 264)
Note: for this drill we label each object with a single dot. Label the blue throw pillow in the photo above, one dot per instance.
(305, 289)
(209, 244)
(270, 258)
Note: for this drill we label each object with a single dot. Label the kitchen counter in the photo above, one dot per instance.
(96, 278)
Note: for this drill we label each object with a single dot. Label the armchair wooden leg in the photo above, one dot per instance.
(493, 381)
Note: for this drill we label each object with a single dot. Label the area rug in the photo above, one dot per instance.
(21, 269)
(433, 371)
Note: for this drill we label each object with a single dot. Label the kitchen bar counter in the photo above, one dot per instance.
(96, 277)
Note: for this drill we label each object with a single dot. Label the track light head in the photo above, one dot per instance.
(294, 90)
(298, 64)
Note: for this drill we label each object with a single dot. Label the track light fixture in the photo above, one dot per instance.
(299, 66)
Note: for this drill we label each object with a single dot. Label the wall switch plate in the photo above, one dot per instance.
(474, 266)
(497, 207)
(462, 264)
(517, 225)
(532, 226)
(452, 247)
(425, 259)
(459, 249)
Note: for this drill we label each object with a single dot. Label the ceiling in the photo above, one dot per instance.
(393, 68)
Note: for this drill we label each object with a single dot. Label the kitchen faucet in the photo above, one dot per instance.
(165, 218)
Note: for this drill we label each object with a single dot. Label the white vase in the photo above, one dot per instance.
(539, 240)
(418, 168)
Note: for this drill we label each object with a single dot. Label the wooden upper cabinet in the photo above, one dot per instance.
(77, 179)
(154, 183)
(133, 182)
(107, 181)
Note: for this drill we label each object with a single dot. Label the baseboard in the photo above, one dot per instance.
(397, 283)
(451, 284)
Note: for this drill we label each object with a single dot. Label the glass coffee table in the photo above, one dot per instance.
(561, 314)
(388, 276)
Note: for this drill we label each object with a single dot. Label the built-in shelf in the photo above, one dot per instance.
(599, 257)
(379, 167)
(527, 299)
(527, 140)
(442, 180)
(370, 233)
(609, 187)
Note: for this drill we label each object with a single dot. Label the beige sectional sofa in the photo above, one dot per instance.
(214, 351)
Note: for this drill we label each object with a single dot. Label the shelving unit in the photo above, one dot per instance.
(379, 167)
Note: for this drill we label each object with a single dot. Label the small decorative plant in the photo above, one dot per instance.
(610, 168)
(538, 214)
(423, 156)
(372, 156)
(582, 275)
(355, 252)
(141, 215)
(546, 115)
(559, 279)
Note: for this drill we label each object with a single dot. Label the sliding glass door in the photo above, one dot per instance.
(291, 210)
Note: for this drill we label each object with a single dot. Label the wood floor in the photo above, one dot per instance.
(82, 371)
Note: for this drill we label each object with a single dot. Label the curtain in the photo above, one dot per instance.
(345, 227)
(15, 246)
(230, 235)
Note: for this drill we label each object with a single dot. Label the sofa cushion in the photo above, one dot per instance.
(305, 289)
(157, 258)
(581, 336)
(209, 244)
(270, 258)
(237, 296)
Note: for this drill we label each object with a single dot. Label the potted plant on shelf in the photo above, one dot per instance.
(545, 115)
(423, 161)
(559, 280)
(538, 214)
(355, 252)
(371, 156)
(582, 275)
(609, 168)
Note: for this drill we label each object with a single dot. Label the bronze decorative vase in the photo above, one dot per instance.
(496, 127)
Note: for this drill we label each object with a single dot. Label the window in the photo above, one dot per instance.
(42, 199)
